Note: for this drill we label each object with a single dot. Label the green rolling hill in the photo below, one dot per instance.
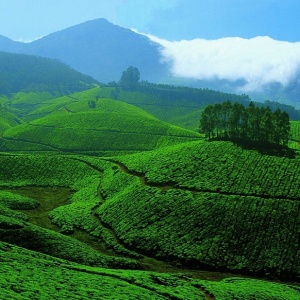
(110, 127)
(181, 106)
(100, 187)
(208, 204)
(33, 251)
(8, 120)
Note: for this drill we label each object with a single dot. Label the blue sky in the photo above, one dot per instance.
(256, 41)
(167, 19)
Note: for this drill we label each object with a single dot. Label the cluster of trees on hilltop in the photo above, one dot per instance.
(235, 121)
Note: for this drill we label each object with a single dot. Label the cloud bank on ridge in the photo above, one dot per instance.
(257, 61)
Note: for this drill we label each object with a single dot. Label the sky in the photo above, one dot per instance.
(167, 19)
(254, 40)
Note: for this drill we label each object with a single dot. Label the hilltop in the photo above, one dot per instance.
(29, 73)
(97, 48)
(96, 125)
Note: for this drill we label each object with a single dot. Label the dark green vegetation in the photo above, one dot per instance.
(45, 75)
(159, 224)
(236, 122)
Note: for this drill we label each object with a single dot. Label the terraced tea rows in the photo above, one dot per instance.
(23, 272)
(111, 126)
(203, 225)
(175, 225)
(219, 167)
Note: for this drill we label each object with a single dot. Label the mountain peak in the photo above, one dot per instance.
(97, 48)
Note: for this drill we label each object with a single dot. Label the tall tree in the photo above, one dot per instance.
(130, 78)
(252, 123)
(207, 121)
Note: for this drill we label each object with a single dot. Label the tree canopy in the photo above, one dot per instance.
(235, 121)
(130, 78)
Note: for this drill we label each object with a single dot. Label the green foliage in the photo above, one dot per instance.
(8, 120)
(130, 78)
(110, 126)
(28, 275)
(21, 72)
(15, 201)
(218, 167)
(22, 170)
(209, 207)
(248, 289)
(294, 141)
(247, 124)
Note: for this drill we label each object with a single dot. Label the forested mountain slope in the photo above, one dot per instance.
(31, 73)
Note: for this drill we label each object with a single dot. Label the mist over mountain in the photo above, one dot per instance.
(99, 49)
(261, 67)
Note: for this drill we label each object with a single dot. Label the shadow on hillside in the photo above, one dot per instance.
(264, 148)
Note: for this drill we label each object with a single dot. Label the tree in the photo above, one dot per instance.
(130, 78)
(226, 109)
(207, 122)
(235, 121)
(267, 126)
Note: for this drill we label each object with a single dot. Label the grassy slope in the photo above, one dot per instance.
(111, 126)
(47, 171)
(183, 113)
(294, 141)
(30, 275)
(215, 205)
(24, 273)
(8, 120)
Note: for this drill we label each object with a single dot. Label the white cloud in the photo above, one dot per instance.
(258, 61)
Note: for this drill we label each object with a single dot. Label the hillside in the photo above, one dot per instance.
(8, 120)
(181, 105)
(97, 48)
(205, 204)
(74, 190)
(36, 74)
(155, 211)
(22, 271)
(109, 127)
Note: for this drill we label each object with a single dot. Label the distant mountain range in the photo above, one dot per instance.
(103, 50)
(99, 49)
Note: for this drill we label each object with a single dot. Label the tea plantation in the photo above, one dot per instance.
(99, 199)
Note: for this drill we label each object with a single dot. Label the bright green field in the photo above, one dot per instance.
(112, 126)
(29, 275)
